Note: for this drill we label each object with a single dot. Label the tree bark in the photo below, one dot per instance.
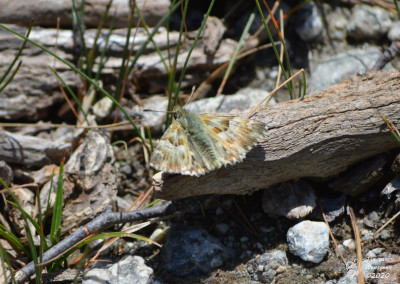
(318, 136)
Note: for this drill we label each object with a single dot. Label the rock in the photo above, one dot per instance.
(392, 186)
(221, 229)
(360, 177)
(130, 269)
(193, 251)
(309, 240)
(373, 220)
(103, 107)
(309, 23)
(333, 207)
(331, 70)
(350, 244)
(332, 269)
(374, 252)
(265, 267)
(368, 23)
(392, 191)
(338, 20)
(242, 100)
(394, 31)
(292, 200)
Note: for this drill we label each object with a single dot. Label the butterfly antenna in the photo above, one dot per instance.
(152, 110)
(191, 95)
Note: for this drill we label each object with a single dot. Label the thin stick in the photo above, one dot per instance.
(358, 245)
(330, 231)
(387, 223)
(100, 223)
(278, 79)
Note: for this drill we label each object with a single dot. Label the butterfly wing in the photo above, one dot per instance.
(195, 145)
(172, 153)
(234, 136)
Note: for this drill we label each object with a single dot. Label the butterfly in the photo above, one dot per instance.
(196, 144)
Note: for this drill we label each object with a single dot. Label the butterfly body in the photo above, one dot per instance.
(196, 144)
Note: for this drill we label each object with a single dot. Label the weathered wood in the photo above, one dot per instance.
(46, 12)
(34, 90)
(319, 136)
(31, 151)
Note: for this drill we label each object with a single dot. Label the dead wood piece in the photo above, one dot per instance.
(46, 12)
(35, 89)
(318, 136)
(31, 151)
(89, 182)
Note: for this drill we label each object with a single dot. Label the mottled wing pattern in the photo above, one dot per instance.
(235, 136)
(217, 142)
(172, 153)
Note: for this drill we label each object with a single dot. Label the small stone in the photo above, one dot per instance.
(310, 22)
(384, 235)
(371, 254)
(103, 107)
(258, 245)
(377, 251)
(188, 250)
(292, 200)
(394, 32)
(309, 240)
(264, 268)
(392, 186)
(333, 207)
(130, 269)
(368, 22)
(221, 229)
(350, 244)
(219, 211)
(244, 239)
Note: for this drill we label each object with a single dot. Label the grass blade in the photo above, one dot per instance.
(17, 55)
(57, 212)
(28, 232)
(5, 260)
(236, 52)
(71, 93)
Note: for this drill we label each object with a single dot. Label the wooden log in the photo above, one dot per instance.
(46, 12)
(318, 136)
(34, 89)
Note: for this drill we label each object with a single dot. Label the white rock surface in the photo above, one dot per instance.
(309, 240)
